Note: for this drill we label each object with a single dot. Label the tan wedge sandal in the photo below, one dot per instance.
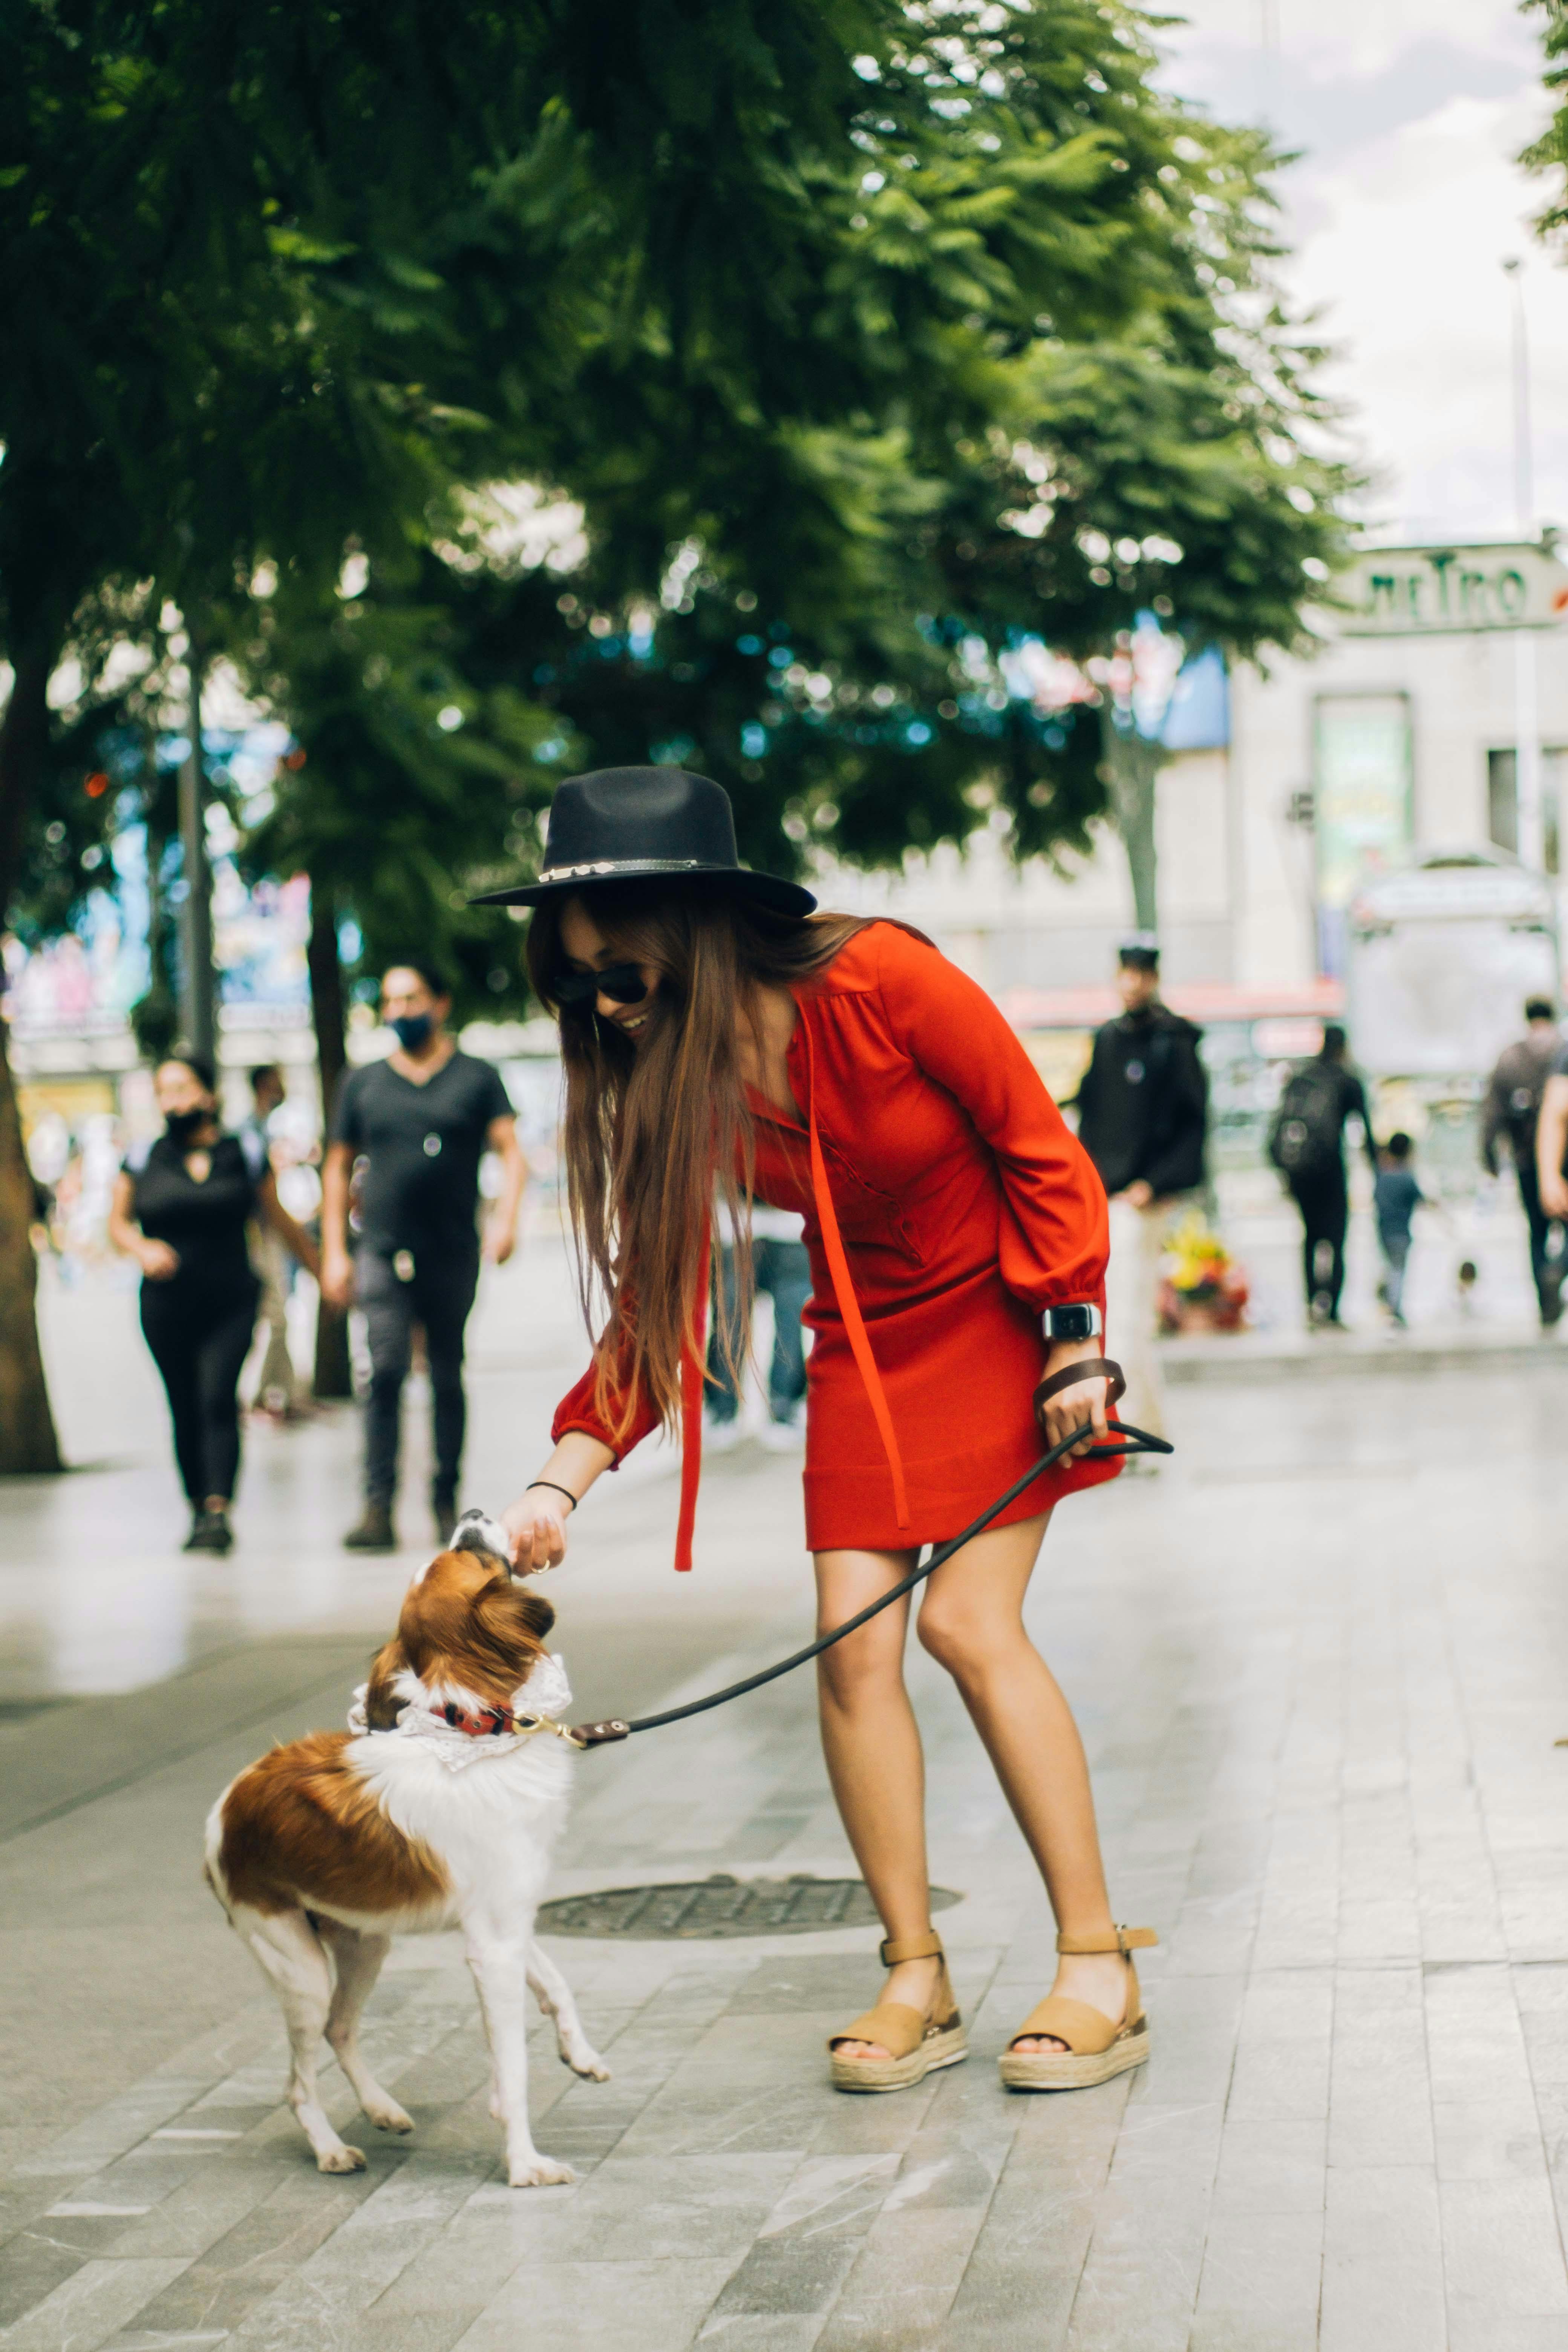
(1096, 2047)
(919, 2041)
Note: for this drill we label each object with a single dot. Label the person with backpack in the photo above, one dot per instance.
(1307, 1145)
(1512, 1108)
(1142, 1107)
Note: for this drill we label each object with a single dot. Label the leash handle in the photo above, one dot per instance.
(1138, 1441)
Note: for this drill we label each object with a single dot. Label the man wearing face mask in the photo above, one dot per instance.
(420, 1122)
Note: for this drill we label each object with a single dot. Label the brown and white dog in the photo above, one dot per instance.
(438, 1808)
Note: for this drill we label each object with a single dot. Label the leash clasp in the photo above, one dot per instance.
(595, 1735)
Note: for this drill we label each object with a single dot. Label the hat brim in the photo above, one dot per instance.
(766, 889)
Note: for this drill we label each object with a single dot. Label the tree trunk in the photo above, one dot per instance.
(27, 1440)
(1134, 763)
(333, 1376)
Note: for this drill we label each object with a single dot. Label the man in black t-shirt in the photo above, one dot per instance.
(418, 1124)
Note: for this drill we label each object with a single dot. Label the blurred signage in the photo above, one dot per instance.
(1422, 592)
(1361, 802)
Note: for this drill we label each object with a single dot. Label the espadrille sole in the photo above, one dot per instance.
(944, 2048)
(1062, 2070)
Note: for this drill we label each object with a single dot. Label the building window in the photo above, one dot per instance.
(1502, 799)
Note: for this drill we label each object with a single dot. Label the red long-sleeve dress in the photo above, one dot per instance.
(946, 1205)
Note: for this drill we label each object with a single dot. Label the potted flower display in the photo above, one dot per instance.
(1202, 1288)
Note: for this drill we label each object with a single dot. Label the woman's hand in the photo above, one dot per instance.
(536, 1525)
(158, 1261)
(1085, 1401)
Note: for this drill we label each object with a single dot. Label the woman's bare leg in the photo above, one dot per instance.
(872, 1748)
(972, 1621)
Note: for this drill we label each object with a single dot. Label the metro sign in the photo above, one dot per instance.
(1425, 592)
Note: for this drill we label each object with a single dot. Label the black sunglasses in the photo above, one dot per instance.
(621, 982)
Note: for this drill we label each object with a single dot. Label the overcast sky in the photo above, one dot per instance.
(1409, 114)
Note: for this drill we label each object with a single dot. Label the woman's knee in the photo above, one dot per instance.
(963, 1638)
(860, 1669)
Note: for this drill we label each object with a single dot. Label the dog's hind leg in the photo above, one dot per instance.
(555, 1998)
(291, 1957)
(356, 1959)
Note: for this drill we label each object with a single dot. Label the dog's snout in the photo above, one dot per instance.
(477, 1531)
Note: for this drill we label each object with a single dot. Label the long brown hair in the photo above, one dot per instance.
(652, 1130)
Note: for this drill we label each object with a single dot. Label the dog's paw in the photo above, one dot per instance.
(342, 2159)
(542, 2172)
(391, 2117)
(588, 2064)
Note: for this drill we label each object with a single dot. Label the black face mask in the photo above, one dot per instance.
(181, 1125)
(411, 1029)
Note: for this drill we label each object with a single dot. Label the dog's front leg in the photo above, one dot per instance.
(555, 1998)
(500, 1963)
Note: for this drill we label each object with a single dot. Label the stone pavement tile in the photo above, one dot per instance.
(258, 2253)
(200, 2212)
(36, 2263)
(1499, 2334)
(1383, 2262)
(754, 2331)
(1225, 2332)
(346, 2273)
(87, 2308)
(826, 1982)
(1380, 2103)
(112, 2128)
(1501, 2251)
(793, 2277)
(749, 2083)
(1017, 2290)
(1276, 2166)
(600, 2307)
(663, 2210)
(1502, 2139)
(1476, 2039)
(898, 2295)
(1262, 2275)
(1194, 2023)
(1139, 2279)
(1284, 2047)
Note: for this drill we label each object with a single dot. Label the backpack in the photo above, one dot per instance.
(1304, 1140)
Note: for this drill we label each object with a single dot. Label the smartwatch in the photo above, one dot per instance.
(1083, 1322)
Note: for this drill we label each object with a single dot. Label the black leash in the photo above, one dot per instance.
(1139, 1441)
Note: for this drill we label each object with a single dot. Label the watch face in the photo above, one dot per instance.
(1072, 1323)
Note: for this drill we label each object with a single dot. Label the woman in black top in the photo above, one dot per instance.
(180, 1209)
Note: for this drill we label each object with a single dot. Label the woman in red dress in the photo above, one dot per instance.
(714, 1028)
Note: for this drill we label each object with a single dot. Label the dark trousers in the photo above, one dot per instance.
(1547, 1270)
(199, 1342)
(783, 1270)
(1324, 1204)
(439, 1297)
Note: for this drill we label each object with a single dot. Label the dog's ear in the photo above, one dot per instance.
(382, 1704)
(511, 1623)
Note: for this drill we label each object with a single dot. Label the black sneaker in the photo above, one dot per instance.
(444, 1510)
(375, 1532)
(210, 1531)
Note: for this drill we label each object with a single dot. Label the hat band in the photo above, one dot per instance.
(599, 868)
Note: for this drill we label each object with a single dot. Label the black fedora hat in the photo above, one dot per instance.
(619, 824)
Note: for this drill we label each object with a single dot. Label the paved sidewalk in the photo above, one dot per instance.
(1320, 1662)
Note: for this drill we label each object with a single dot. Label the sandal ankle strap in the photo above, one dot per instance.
(914, 1947)
(1120, 1939)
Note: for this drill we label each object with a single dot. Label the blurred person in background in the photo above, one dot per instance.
(421, 1120)
(1397, 1196)
(1512, 1108)
(278, 1389)
(781, 1265)
(181, 1208)
(1552, 1138)
(1307, 1144)
(1142, 1107)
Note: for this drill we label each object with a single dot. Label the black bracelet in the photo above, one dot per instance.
(554, 1489)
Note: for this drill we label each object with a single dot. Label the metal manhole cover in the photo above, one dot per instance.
(721, 1906)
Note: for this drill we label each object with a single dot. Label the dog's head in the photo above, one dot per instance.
(464, 1622)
